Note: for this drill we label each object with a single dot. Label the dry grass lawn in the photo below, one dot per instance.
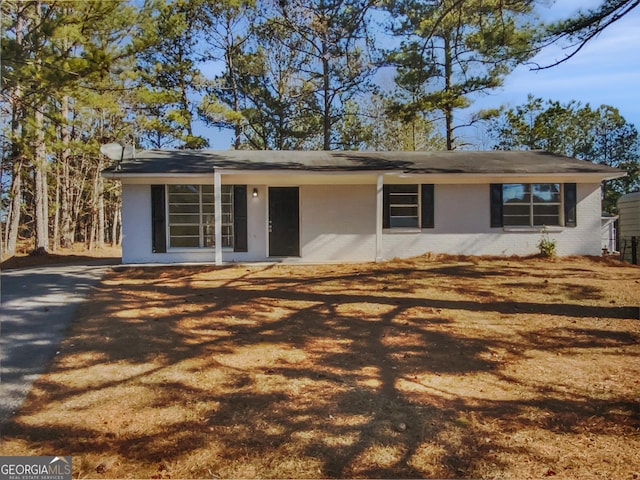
(430, 367)
(78, 253)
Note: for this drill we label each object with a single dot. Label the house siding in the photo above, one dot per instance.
(338, 224)
(463, 227)
(137, 231)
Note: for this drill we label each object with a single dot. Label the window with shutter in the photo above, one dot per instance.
(190, 218)
(533, 204)
(408, 206)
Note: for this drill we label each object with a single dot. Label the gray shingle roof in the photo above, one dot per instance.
(444, 162)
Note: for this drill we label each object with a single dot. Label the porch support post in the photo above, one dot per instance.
(379, 190)
(217, 210)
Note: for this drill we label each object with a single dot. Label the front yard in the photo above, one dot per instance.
(430, 367)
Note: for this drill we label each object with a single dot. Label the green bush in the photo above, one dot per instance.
(547, 246)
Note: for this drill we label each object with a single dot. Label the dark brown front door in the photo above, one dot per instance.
(284, 222)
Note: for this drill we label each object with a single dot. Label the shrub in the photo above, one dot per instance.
(547, 246)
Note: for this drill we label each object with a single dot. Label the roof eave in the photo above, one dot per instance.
(118, 175)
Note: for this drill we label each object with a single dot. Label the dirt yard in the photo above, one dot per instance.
(430, 367)
(78, 253)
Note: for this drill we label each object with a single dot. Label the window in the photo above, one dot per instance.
(192, 217)
(227, 216)
(408, 206)
(403, 206)
(535, 204)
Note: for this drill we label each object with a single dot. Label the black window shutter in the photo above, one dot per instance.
(240, 233)
(428, 206)
(496, 205)
(158, 223)
(386, 207)
(570, 204)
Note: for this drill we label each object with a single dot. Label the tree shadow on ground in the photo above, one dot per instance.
(257, 372)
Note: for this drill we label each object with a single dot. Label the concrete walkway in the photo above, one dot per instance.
(37, 305)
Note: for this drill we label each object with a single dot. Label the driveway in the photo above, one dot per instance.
(37, 305)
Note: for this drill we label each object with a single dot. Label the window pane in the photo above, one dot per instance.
(546, 193)
(191, 215)
(517, 209)
(543, 209)
(185, 230)
(182, 219)
(517, 214)
(403, 199)
(209, 241)
(548, 220)
(516, 193)
(546, 215)
(403, 222)
(184, 242)
(184, 198)
(184, 208)
(404, 212)
(227, 208)
(531, 204)
(403, 189)
(183, 189)
(227, 235)
(208, 208)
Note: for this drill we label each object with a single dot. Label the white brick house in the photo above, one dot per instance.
(354, 206)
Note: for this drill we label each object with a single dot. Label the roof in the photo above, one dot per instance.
(442, 162)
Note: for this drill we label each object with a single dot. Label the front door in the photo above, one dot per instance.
(284, 222)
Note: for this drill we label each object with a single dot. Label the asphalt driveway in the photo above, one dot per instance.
(37, 305)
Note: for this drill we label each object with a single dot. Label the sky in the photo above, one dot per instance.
(605, 72)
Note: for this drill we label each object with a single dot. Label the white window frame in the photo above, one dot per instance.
(531, 204)
(415, 205)
(227, 216)
(206, 240)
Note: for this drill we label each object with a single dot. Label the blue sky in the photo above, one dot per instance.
(605, 71)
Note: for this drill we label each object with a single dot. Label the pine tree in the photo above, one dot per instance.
(453, 50)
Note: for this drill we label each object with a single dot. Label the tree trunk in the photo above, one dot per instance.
(237, 128)
(96, 239)
(114, 225)
(326, 97)
(15, 209)
(76, 197)
(17, 115)
(101, 214)
(92, 233)
(56, 215)
(40, 186)
(66, 233)
(40, 196)
(448, 74)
